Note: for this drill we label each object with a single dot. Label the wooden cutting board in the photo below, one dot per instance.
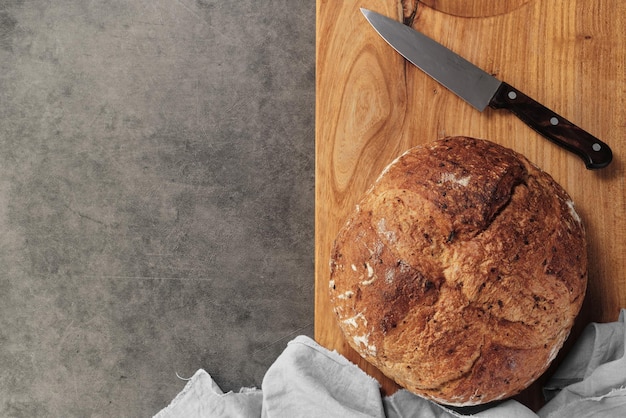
(372, 106)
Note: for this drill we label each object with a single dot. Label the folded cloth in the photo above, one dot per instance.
(308, 380)
(202, 397)
(591, 381)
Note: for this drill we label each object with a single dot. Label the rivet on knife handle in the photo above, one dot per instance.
(595, 153)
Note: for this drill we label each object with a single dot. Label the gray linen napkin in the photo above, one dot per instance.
(308, 380)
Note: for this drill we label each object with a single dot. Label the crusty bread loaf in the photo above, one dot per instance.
(461, 271)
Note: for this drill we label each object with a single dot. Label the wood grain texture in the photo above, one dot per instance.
(474, 8)
(371, 106)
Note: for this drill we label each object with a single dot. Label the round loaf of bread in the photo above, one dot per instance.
(461, 271)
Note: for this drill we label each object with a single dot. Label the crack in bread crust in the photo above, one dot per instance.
(466, 266)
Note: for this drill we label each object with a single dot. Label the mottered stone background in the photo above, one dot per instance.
(156, 198)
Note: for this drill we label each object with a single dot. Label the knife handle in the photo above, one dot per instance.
(554, 127)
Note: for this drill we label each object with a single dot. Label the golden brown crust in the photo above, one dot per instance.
(461, 271)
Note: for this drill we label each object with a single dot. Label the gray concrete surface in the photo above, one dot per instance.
(156, 198)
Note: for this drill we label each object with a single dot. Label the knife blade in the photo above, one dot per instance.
(480, 89)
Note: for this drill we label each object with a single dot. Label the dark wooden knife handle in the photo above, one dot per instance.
(554, 127)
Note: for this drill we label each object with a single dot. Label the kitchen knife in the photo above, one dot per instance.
(480, 89)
